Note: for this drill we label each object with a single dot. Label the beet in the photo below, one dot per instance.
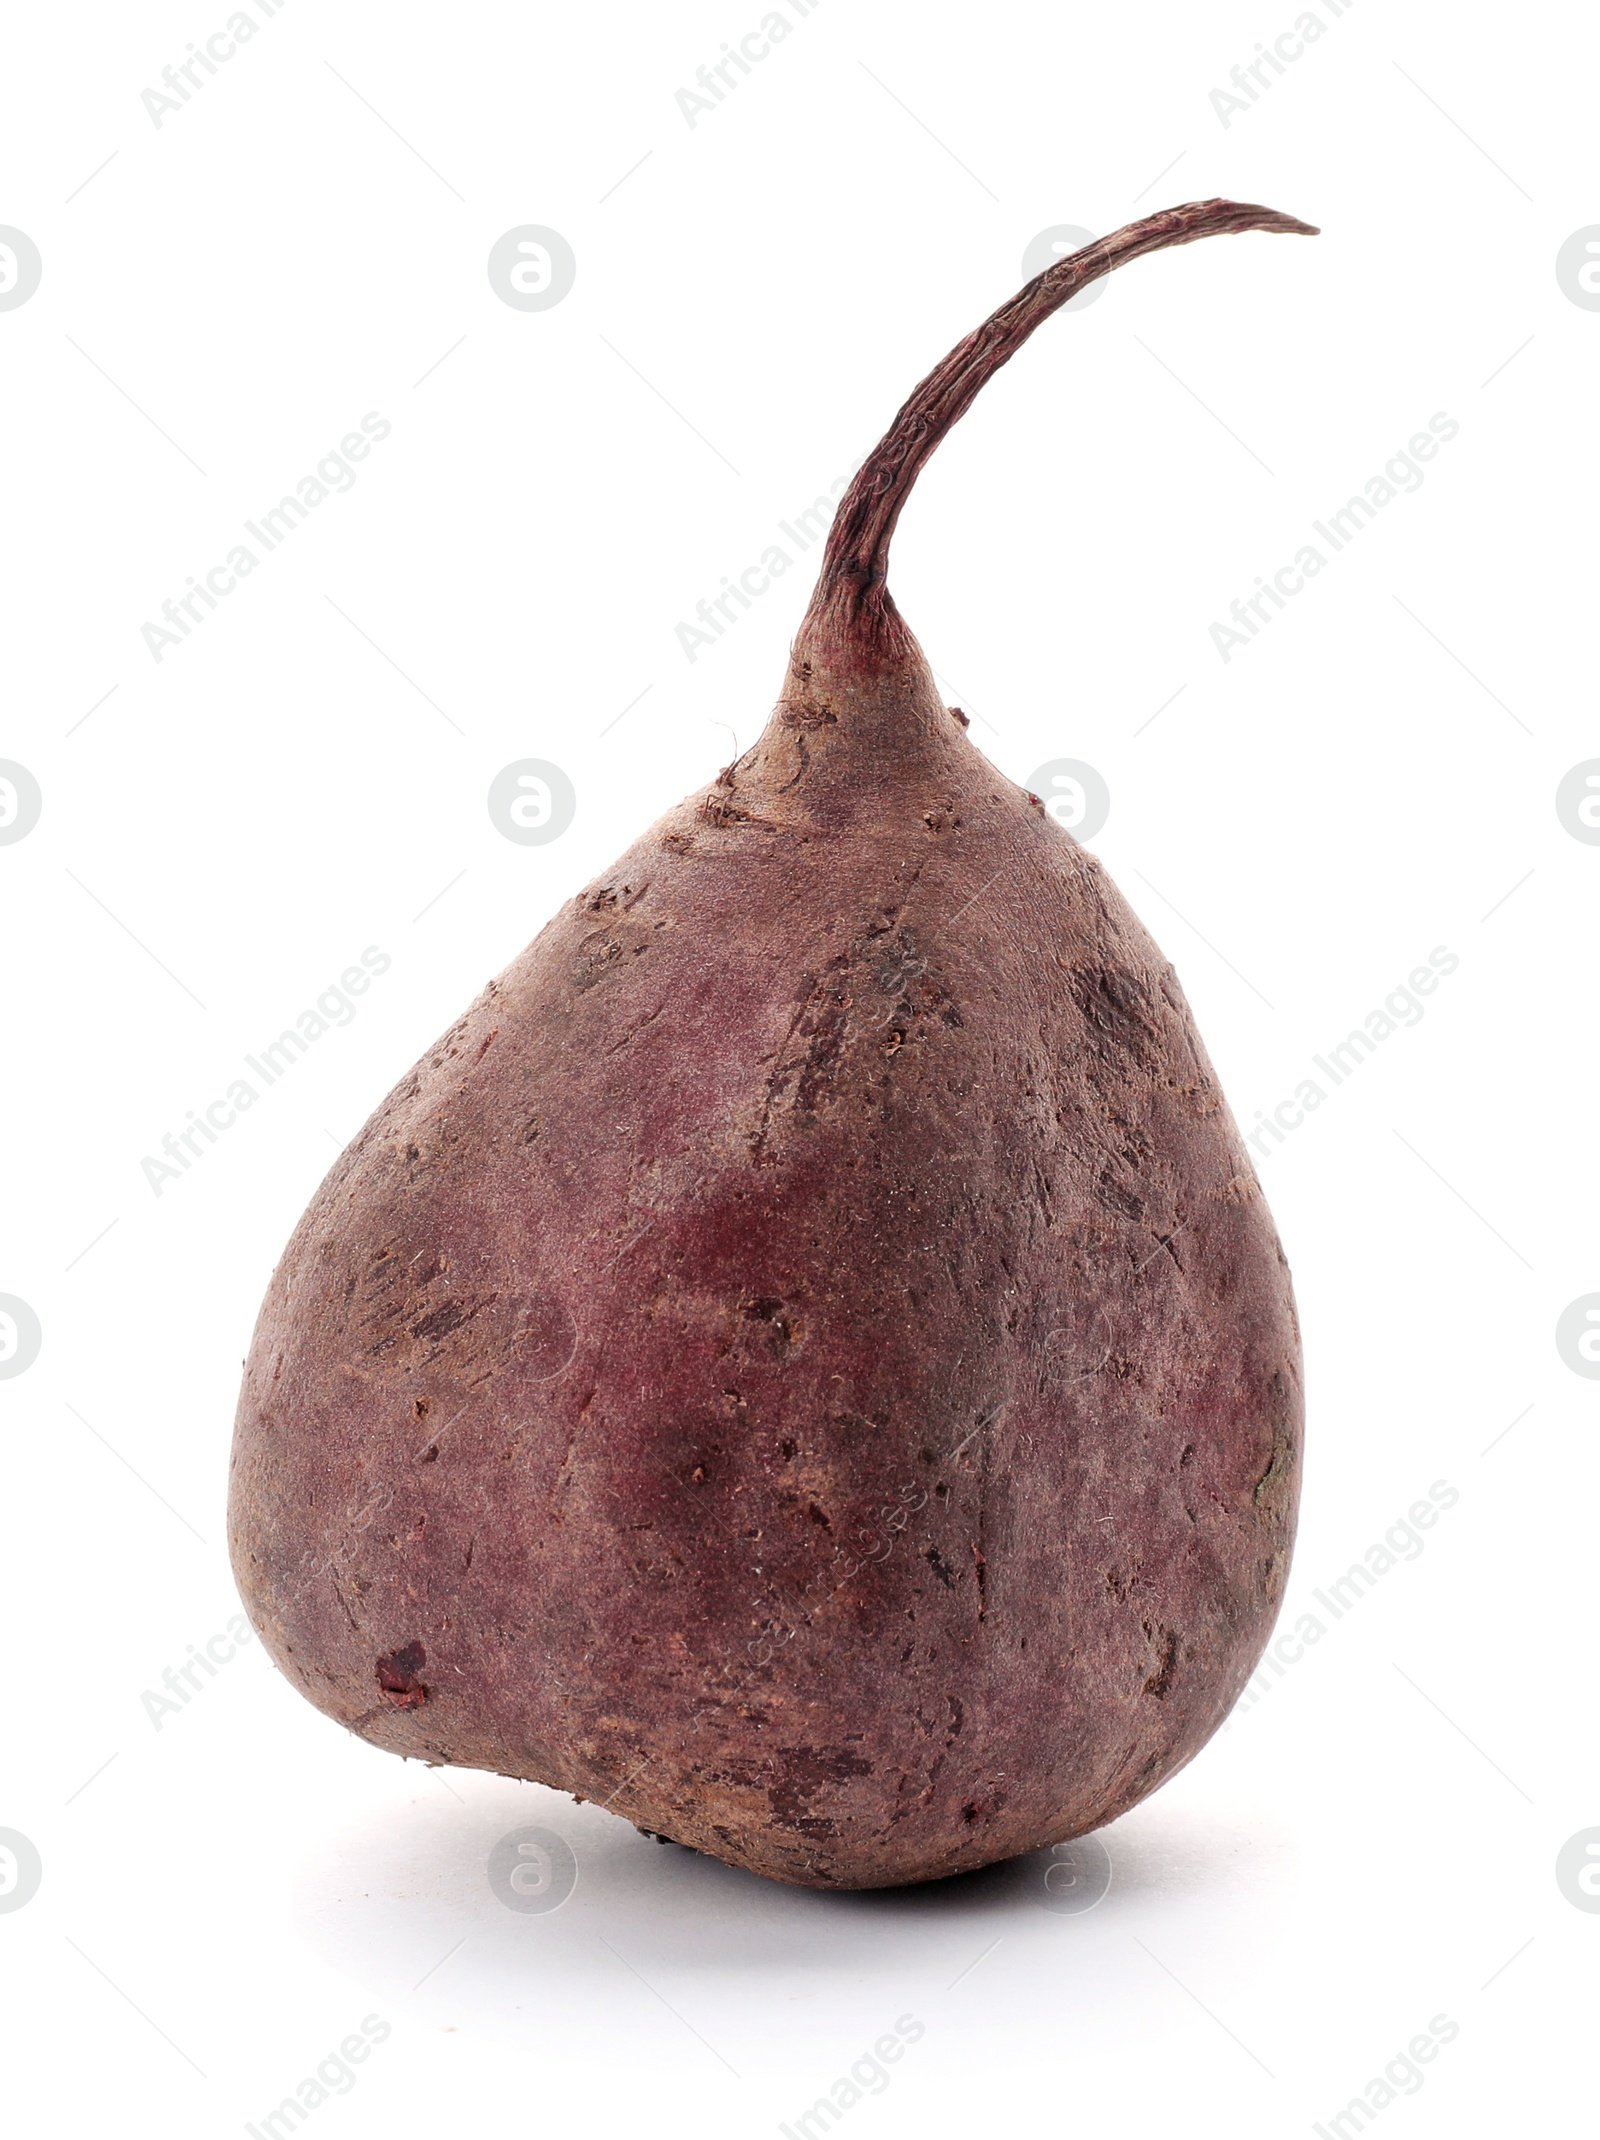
(805, 1360)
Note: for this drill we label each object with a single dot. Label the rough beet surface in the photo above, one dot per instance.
(805, 1361)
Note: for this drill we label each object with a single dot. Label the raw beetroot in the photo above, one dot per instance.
(804, 1361)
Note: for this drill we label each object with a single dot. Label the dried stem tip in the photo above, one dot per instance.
(851, 596)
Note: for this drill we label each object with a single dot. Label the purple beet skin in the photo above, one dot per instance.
(805, 1361)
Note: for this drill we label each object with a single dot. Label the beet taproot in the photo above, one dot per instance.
(804, 1361)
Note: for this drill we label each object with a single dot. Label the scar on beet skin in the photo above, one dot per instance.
(397, 1676)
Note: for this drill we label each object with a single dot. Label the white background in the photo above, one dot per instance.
(1373, 1843)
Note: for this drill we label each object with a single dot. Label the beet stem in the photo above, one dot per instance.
(851, 597)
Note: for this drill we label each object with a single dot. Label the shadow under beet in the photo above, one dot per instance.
(508, 1910)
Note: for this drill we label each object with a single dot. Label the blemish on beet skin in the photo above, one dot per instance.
(398, 1682)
